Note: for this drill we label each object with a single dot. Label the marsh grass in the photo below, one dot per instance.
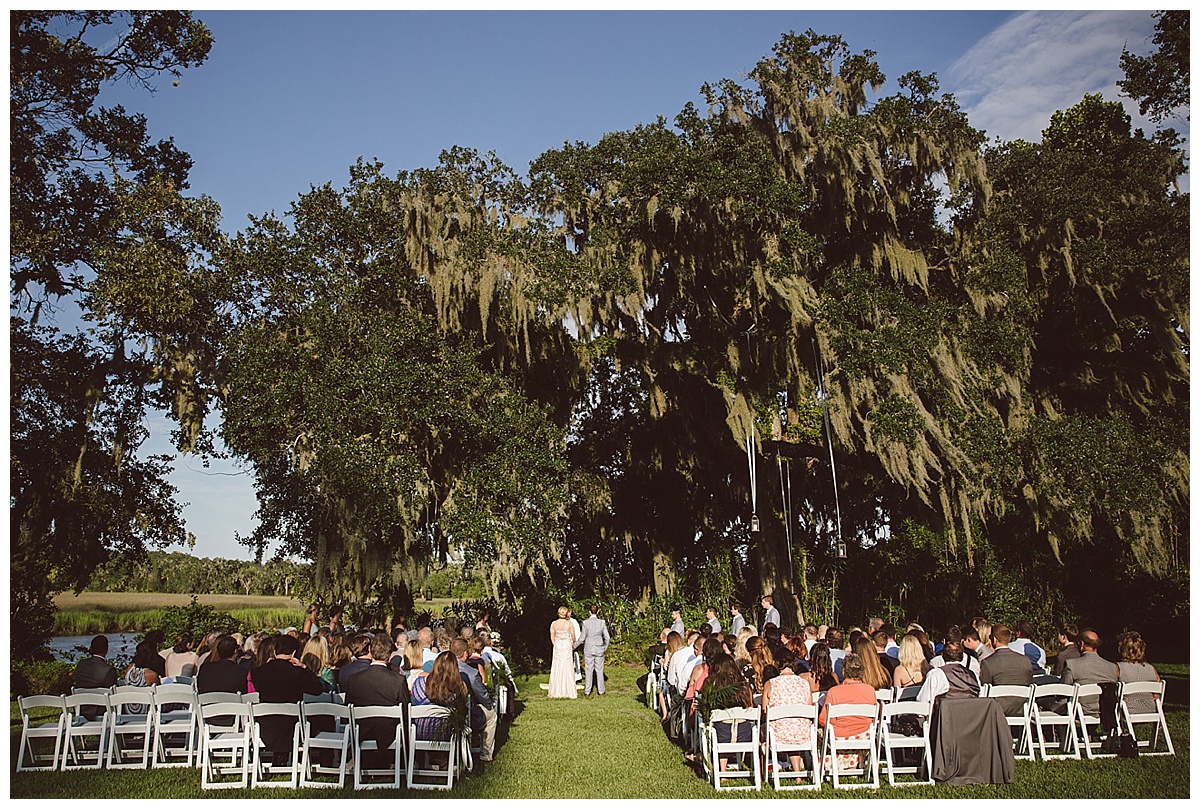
(93, 612)
(612, 747)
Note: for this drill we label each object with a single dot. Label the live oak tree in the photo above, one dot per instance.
(1162, 81)
(380, 444)
(98, 221)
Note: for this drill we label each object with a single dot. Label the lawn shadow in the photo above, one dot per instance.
(1178, 692)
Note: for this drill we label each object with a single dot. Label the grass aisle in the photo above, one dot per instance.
(613, 747)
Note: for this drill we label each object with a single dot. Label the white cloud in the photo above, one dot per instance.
(1013, 80)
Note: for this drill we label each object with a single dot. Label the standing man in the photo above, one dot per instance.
(772, 614)
(595, 644)
(677, 620)
(735, 609)
(711, 615)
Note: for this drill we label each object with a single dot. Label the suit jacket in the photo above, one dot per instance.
(377, 685)
(1090, 669)
(280, 681)
(347, 672)
(887, 661)
(738, 623)
(480, 698)
(221, 675)
(94, 672)
(678, 626)
(1060, 660)
(1006, 667)
(772, 617)
(595, 636)
(715, 624)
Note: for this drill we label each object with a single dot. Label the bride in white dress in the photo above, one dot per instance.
(562, 669)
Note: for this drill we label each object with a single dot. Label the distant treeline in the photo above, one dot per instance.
(163, 572)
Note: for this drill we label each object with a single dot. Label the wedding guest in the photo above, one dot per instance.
(792, 689)
(1133, 668)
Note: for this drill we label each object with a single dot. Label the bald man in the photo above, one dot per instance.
(1090, 669)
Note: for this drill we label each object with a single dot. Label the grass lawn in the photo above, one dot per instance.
(613, 747)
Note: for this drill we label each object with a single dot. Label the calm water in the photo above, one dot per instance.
(120, 644)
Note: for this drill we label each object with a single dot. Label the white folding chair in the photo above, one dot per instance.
(884, 695)
(748, 766)
(130, 728)
(865, 745)
(363, 774)
(1044, 718)
(46, 725)
(776, 748)
(174, 720)
(443, 743)
(337, 741)
(891, 742)
(1157, 718)
(224, 748)
(1023, 743)
(1087, 723)
(262, 772)
(77, 728)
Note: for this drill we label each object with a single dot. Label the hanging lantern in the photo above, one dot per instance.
(841, 549)
(754, 523)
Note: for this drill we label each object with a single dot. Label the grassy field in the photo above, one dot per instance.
(92, 612)
(613, 747)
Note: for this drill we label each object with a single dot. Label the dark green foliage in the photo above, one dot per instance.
(95, 213)
(1162, 81)
(41, 677)
(197, 619)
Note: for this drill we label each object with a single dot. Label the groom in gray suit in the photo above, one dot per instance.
(595, 641)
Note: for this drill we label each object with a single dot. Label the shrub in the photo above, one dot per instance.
(52, 677)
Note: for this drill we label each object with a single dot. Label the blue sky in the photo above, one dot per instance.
(292, 99)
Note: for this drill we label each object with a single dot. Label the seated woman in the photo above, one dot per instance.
(851, 691)
(140, 673)
(711, 648)
(315, 658)
(443, 686)
(762, 663)
(799, 653)
(726, 688)
(790, 689)
(874, 674)
(181, 660)
(674, 644)
(1134, 669)
(820, 675)
(913, 665)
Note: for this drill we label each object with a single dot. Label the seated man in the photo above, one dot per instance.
(283, 678)
(378, 684)
(1006, 667)
(94, 671)
(953, 680)
(1090, 669)
(483, 712)
(221, 673)
(1068, 640)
